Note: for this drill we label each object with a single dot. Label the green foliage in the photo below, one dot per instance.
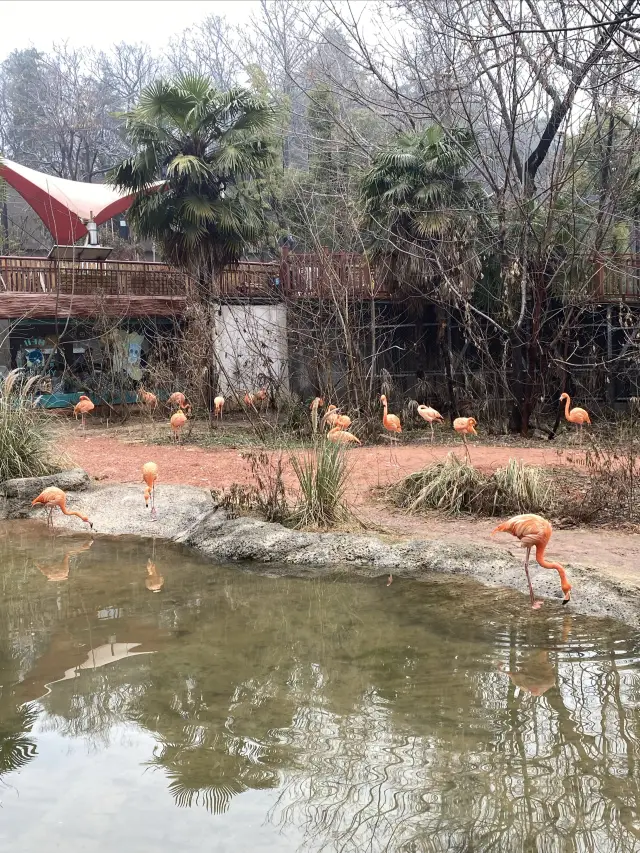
(209, 148)
(420, 214)
(322, 477)
(24, 451)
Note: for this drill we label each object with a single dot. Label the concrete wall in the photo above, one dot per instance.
(251, 345)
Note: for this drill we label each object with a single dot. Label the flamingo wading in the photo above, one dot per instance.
(53, 497)
(534, 531)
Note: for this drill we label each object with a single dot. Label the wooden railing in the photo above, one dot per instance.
(616, 277)
(107, 278)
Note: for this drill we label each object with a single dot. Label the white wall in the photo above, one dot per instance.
(251, 344)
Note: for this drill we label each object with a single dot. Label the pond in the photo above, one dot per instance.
(153, 702)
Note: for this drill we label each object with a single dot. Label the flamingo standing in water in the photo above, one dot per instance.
(218, 405)
(340, 436)
(575, 416)
(534, 531)
(315, 404)
(178, 400)
(177, 421)
(431, 416)
(465, 426)
(149, 476)
(83, 407)
(54, 497)
(393, 426)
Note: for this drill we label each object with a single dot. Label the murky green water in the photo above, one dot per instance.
(234, 712)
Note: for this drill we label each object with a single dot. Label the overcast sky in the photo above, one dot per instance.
(101, 23)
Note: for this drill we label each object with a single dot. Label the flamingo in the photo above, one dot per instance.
(55, 497)
(83, 407)
(315, 404)
(430, 416)
(535, 675)
(153, 582)
(149, 476)
(218, 405)
(148, 400)
(575, 416)
(330, 416)
(249, 399)
(465, 426)
(177, 421)
(261, 396)
(534, 531)
(340, 436)
(179, 400)
(392, 424)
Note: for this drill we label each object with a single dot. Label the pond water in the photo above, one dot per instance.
(237, 712)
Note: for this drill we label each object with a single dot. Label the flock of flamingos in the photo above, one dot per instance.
(533, 531)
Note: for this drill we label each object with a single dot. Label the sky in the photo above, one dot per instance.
(102, 23)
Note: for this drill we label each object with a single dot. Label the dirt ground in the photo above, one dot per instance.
(117, 454)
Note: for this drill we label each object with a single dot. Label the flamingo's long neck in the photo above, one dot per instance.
(567, 407)
(548, 564)
(384, 414)
(77, 514)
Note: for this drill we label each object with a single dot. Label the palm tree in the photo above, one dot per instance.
(200, 157)
(420, 225)
(208, 148)
(420, 214)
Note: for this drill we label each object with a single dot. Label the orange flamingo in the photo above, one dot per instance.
(533, 531)
(249, 399)
(178, 400)
(262, 396)
(430, 416)
(218, 405)
(464, 427)
(575, 416)
(148, 400)
(315, 404)
(393, 426)
(340, 436)
(153, 582)
(330, 416)
(83, 407)
(177, 421)
(54, 497)
(149, 476)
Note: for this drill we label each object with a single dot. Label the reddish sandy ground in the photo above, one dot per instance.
(114, 458)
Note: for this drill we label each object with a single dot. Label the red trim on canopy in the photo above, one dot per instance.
(64, 206)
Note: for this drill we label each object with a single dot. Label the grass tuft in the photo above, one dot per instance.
(24, 450)
(455, 487)
(322, 477)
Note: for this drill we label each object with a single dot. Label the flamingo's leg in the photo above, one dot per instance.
(390, 581)
(535, 605)
(154, 514)
(466, 448)
(431, 425)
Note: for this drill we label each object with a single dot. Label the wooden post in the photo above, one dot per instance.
(611, 385)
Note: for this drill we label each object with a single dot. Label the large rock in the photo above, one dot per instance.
(18, 494)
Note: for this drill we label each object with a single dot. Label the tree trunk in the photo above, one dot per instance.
(444, 339)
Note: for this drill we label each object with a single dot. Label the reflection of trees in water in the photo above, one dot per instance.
(16, 747)
(384, 720)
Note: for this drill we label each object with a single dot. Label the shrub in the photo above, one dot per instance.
(322, 477)
(24, 450)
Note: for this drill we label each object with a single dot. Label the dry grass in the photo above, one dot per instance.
(455, 487)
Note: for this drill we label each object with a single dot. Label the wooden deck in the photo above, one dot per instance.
(39, 287)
